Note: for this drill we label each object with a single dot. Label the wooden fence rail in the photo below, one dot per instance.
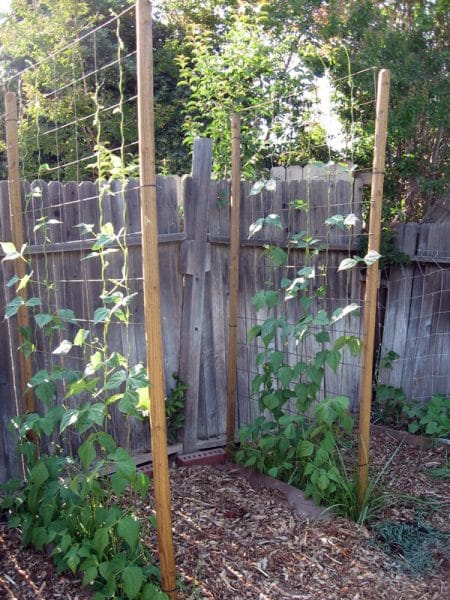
(194, 238)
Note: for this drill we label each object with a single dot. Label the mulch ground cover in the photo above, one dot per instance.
(234, 541)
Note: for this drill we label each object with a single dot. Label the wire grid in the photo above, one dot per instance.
(305, 197)
(417, 314)
(78, 140)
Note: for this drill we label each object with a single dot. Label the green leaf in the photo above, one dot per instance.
(340, 313)
(322, 337)
(118, 483)
(39, 473)
(333, 359)
(290, 432)
(43, 319)
(323, 482)
(101, 314)
(96, 414)
(257, 188)
(69, 418)
(255, 227)
(101, 540)
(46, 392)
(64, 347)
(305, 448)
(12, 308)
(89, 575)
(132, 579)
(87, 453)
(39, 537)
(151, 592)
(115, 380)
(9, 249)
(128, 529)
(106, 441)
(253, 333)
(371, 257)
(73, 560)
(34, 302)
(347, 263)
(67, 315)
(12, 281)
(285, 375)
(81, 337)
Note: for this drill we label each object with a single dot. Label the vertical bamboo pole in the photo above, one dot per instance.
(152, 307)
(370, 300)
(17, 235)
(234, 279)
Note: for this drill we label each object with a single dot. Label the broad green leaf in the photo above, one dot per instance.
(333, 358)
(80, 337)
(115, 380)
(89, 575)
(101, 540)
(351, 220)
(118, 484)
(257, 188)
(305, 448)
(46, 392)
(323, 481)
(34, 302)
(255, 227)
(347, 263)
(12, 308)
(39, 537)
(151, 592)
(87, 453)
(12, 281)
(8, 248)
(254, 332)
(340, 313)
(64, 347)
(371, 257)
(69, 418)
(101, 314)
(132, 579)
(39, 473)
(285, 375)
(322, 337)
(96, 414)
(128, 529)
(43, 319)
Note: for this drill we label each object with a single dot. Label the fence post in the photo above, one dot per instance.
(17, 235)
(370, 300)
(152, 303)
(234, 280)
(194, 263)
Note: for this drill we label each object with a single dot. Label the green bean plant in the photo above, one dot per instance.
(70, 503)
(296, 435)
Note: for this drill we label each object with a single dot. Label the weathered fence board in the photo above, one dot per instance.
(418, 313)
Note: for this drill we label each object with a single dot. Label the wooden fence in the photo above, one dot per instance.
(194, 236)
(417, 317)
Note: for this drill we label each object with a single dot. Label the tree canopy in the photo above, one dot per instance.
(263, 58)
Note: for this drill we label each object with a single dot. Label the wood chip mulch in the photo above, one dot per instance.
(235, 542)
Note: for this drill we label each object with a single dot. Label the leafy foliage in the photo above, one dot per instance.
(175, 402)
(295, 437)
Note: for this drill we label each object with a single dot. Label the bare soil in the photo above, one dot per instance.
(236, 542)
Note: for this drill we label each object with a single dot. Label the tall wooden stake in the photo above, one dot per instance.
(234, 279)
(150, 266)
(370, 300)
(17, 235)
